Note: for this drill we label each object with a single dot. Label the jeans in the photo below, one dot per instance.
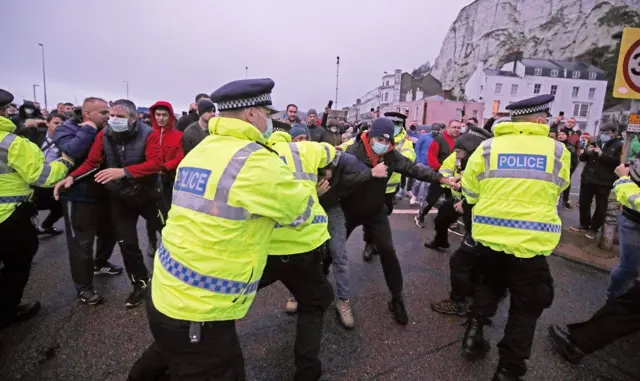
(626, 271)
(338, 250)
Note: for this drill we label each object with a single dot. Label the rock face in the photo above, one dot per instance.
(487, 30)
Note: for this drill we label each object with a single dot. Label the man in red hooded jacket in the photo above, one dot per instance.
(163, 122)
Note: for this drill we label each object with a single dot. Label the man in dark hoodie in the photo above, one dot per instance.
(86, 212)
(162, 121)
(367, 204)
(192, 116)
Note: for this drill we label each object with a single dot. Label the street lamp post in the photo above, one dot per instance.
(246, 72)
(34, 93)
(127, 82)
(44, 78)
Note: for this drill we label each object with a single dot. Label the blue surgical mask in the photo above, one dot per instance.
(396, 130)
(380, 148)
(269, 130)
(604, 138)
(119, 124)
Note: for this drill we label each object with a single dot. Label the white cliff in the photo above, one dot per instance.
(487, 30)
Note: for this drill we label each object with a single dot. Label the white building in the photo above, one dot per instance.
(579, 88)
(618, 113)
(386, 97)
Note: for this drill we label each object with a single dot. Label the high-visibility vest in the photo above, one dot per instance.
(448, 169)
(303, 159)
(22, 164)
(627, 193)
(405, 147)
(514, 180)
(228, 196)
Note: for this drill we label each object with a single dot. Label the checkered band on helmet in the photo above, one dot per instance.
(260, 100)
(531, 110)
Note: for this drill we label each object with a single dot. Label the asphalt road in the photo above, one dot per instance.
(68, 341)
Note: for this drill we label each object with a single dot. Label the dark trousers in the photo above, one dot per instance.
(303, 275)
(124, 217)
(465, 270)
(618, 318)
(83, 221)
(410, 183)
(403, 181)
(19, 246)
(445, 217)
(216, 357)
(389, 199)
(435, 191)
(567, 192)
(45, 201)
(587, 193)
(165, 205)
(380, 232)
(530, 285)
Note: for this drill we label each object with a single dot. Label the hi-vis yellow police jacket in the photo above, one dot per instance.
(228, 196)
(303, 159)
(405, 147)
(22, 164)
(514, 180)
(627, 193)
(448, 169)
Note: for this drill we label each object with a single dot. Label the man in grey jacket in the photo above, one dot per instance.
(200, 129)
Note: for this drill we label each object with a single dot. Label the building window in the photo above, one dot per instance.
(554, 72)
(475, 113)
(592, 93)
(582, 126)
(576, 74)
(481, 88)
(514, 89)
(496, 107)
(537, 71)
(575, 91)
(581, 109)
(459, 113)
(498, 88)
(554, 90)
(417, 112)
(536, 88)
(593, 75)
(386, 97)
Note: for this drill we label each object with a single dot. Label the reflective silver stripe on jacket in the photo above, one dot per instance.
(44, 175)
(469, 193)
(303, 217)
(205, 282)
(446, 171)
(553, 177)
(5, 143)
(326, 150)
(632, 200)
(13, 199)
(299, 173)
(518, 224)
(219, 206)
(316, 220)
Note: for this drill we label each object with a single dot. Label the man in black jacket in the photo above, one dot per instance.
(597, 179)
(192, 117)
(366, 204)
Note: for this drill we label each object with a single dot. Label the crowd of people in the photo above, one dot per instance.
(242, 198)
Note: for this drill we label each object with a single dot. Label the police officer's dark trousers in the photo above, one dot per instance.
(19, 245)
(216, 356)
(380, 230)
(302, 274)
(618, 318)
(84, 221)
(530, 285)
(465, 267)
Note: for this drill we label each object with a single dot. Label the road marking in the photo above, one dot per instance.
(412, 211)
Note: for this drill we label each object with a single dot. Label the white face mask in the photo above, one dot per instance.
(463, 129)
(119, 124)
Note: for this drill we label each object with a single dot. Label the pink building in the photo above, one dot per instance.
(436, 109)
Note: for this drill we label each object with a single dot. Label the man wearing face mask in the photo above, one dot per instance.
(85, 207)
(598, 176)
(200, 129)
(230, 193)
(366, 206)
(130, 151)
(334, 137)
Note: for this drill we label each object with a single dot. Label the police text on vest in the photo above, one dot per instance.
(192, 180)
(522, 161)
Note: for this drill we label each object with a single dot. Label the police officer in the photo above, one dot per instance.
(229, 193)
(514, 180)
(22, 165)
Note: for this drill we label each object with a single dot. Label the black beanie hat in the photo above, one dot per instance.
(472, 139)
(205, 105)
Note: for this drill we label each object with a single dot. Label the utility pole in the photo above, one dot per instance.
(34, 92)
(127, 82)
(337, 79)
(44, 78)
(246, 72)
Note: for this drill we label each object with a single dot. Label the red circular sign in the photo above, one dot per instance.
(632, 57)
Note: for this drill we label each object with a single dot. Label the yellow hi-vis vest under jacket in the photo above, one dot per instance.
(303, 159)
(514, 180)
(448, 169)
(22, 164)
(228, 196)
(346, 144)
(627, 193)
(405, 147)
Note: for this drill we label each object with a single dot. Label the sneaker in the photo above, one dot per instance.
(450, 307)
(107, 269)
(48, 231)
(346, 316)
(368, 252)
(591, 234)
(413, 200)
(151, 251)
(577, 229)
(89, 297)
(456, 229)
(568, 205)
(292, 306)
(23, 312)
(396, 305)
(137, 295)
(419, 221)
(436, 246)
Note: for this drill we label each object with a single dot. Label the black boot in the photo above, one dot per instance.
(23, 312)
(367, 253)
(396, 305)
(563, 343)
(439, 246)
(474, 345)
(504, 375)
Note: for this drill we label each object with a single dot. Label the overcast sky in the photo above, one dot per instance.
(171, 50)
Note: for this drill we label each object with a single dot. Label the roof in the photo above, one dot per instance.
(435, 98)
(559, 64)
(501, 73)
(624, 106)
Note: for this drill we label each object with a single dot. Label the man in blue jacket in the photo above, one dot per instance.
(425, 138)
(86, 212)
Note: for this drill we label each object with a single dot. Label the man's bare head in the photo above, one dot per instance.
(95, 110)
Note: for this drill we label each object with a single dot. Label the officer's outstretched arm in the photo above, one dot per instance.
(470, 183)
(627, 193)
(406, 167)
(448, 165)
(29, 162)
